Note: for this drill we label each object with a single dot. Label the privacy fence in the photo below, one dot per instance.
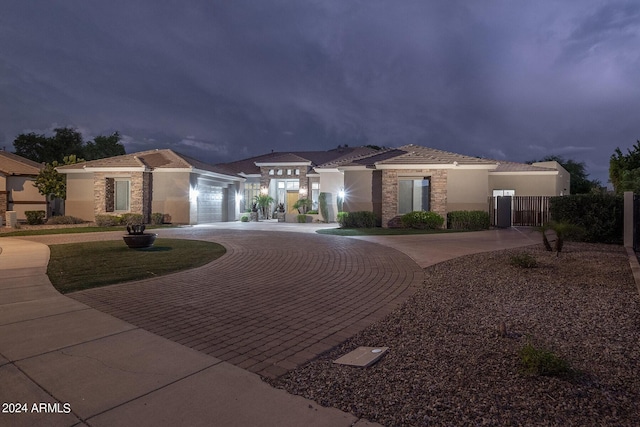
(530, 211)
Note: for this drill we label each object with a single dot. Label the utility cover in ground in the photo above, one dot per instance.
(362, 356)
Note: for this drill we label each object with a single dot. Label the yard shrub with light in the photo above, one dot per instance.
(422, 220)
(108, 220)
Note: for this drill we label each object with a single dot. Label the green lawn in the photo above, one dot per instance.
(379, 231)
(78, 266)
(72, 230)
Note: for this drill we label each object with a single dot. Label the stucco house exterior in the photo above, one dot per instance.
(388, 182)
(17, 192)
(163, 181)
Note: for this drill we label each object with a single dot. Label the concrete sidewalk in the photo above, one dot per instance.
(63, 363)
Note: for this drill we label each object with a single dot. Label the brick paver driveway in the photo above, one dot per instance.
(274, 301)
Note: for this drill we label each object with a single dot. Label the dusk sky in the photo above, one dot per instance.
(223, 80)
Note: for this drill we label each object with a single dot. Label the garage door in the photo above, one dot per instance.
(210, 203)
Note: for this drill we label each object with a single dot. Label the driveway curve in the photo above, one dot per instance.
(274, 301)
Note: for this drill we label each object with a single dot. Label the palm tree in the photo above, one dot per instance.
(263, 201)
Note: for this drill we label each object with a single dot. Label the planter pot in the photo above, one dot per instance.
(281, 216)
(253, 216)
(137, 241)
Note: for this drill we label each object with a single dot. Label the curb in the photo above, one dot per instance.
(635, 266)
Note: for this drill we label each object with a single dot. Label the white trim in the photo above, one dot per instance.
(524, 173)
(250, 175)
(326, 170)
(217, 175)
(103, 169)
(436, 166)
(286, 164)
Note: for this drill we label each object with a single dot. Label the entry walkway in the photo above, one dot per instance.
(281, 297)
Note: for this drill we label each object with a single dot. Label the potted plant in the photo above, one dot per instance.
(254, 212)
(137, 238)
(302, 205)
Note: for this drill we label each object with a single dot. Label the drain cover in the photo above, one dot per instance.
(362, 356)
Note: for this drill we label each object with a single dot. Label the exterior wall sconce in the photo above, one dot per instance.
(264, 191)
(303, 191)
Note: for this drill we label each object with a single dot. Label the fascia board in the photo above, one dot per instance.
(250, 175)
(103, 169)
(267, 164)
(217, 175)
(437, 166)
(525, 173)
(326, 170)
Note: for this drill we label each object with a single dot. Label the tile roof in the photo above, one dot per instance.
(248, 166)
(12, 164)
(151, 159)
(520, 167)
(416, 154)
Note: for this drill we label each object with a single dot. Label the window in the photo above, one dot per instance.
(121, 195)
(251, 190)
(271, 172)
(413, 195)
(315, 193)
(293, 185)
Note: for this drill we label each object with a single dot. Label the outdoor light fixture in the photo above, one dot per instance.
(193, 193)
(341, 194)
(303, 191)
(264, 191)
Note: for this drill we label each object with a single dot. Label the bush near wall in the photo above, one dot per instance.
(422, 220)
(324, 208)
(468, 220)
(157, 218)
(359, 219)
(600, 215)
(108, 220)
(35, 217)
(64, 219)
(132, 219)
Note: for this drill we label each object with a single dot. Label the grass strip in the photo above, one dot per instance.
(76, 266)
(70, 230)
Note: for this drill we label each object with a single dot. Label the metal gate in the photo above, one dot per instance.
(525, 211)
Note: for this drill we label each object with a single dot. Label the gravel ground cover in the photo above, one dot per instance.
(451, 363)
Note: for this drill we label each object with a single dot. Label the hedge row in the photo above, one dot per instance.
(601, 216)
(468, 220)
(360, 219)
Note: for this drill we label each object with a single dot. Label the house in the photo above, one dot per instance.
(17, 190)
(391, 182)
(187, 190)
(388, 182)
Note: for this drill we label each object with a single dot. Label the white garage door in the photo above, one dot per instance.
(210, 203)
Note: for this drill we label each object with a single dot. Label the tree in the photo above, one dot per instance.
(580, 183)
(32, 146)
(66, 142)
(50, 182)
(624, 169)
(104, 146)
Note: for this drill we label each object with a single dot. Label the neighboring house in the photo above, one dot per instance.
(163, 181)
(391, 182)
(17, 192)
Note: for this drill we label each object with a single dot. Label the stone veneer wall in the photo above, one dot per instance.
(265, 178)
(4, 204)
(438, 200)
(140, 197)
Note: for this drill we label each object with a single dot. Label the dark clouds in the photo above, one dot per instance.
(223, 80)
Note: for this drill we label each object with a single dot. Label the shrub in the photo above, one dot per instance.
(132, 219)
(35, 217)
(523, 260)
(302, 218)
(157, 218)
(563, 231)
(538, 361)
(468, 220)
(422, 220)
(313, 212)
(324, 207)
(244, 218)
(358, 219)
(63, 219)
(600, 215)
(108, 220)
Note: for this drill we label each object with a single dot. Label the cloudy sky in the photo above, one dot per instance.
(222, 80)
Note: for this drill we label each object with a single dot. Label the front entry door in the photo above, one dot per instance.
(292, 198)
